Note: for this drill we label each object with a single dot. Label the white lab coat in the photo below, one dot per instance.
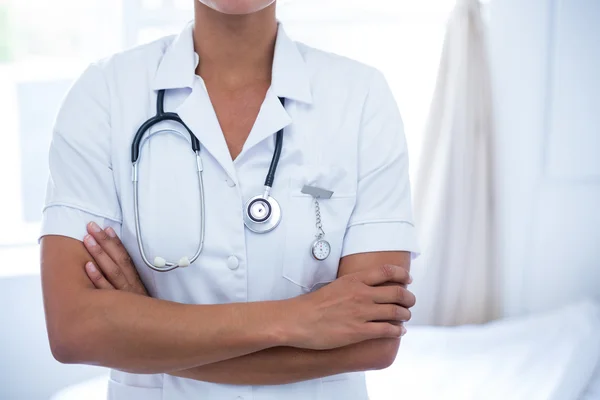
(343, 132)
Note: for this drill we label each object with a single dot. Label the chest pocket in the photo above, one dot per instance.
(299, 266)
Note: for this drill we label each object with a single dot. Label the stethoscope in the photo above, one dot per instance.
(262, 213)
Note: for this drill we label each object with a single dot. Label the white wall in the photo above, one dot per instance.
(545, 59)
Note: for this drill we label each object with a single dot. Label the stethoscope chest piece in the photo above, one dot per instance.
(262, 214)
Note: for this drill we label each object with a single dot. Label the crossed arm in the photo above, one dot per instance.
(281, 365)
(244, 348)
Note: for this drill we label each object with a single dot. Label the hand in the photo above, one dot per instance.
(352, 309)
(113, 268)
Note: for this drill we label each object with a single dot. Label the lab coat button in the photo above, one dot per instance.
(230, 183)
(233, 263)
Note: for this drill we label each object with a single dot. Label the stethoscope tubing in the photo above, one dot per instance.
(169, 266)
(161, 115)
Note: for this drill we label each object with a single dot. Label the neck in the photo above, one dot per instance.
(235, 50)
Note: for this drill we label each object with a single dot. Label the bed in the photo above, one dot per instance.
(592, 391)
(549, 356)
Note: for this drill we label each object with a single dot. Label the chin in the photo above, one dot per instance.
(237, 7)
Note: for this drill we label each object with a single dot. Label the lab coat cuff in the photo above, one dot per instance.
(71, 222)
(381, 236)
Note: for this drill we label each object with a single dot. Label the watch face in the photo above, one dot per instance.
(321, 249)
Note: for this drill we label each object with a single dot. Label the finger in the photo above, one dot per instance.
(393, 284)
(377, 330)
(388, 312)
(117, 251)
(96, 277)
(107, 266)
(383, 274)
(394, 294)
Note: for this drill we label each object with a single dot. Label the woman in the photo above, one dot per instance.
(256, 316)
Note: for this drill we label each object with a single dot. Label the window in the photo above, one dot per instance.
(45, 45)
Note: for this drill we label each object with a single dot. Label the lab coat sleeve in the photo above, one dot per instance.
(382, 219)
(81, 186)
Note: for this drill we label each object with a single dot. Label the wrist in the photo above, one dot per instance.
(285, 330)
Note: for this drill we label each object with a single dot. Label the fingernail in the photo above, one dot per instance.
(111, 232)
(94, 227)
(403, 331)
(90, 241)
(90, 267)
(410, 279)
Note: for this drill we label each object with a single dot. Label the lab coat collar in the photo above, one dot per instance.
(177, 68)
(290, 78)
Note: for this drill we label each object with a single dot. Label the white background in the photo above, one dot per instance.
(548, 147)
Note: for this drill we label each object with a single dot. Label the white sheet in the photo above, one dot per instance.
(592, 392)
(546, 357)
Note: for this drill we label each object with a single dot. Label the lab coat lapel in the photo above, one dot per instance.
(198, 114)
(290, 80)
(272, 117)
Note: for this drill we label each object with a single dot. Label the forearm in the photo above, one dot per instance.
(283, 365)
(144, 335)
(287, 365)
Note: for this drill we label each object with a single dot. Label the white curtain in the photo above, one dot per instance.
(456, 277)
